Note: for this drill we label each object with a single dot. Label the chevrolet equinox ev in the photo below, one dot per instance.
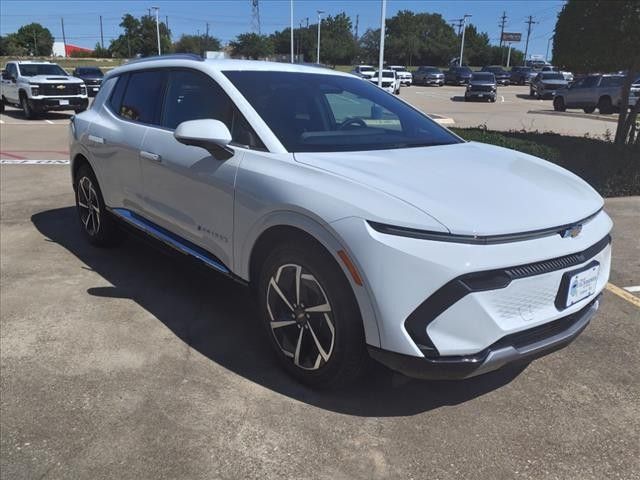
(364, 228)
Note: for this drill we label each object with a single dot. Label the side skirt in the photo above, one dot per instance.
(142, 225)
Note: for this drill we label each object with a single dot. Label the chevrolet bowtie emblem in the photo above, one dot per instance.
(61, 87)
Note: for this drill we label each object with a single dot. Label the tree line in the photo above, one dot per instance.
(411, 39)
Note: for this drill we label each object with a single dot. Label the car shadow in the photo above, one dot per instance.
(17, 114)
(216, 317)
(457, 98)
(526, 96)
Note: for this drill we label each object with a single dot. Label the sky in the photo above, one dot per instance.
(228, 18)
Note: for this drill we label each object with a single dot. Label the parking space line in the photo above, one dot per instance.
(33, 162)
(623, 294)
(49, 122)
(635, 289)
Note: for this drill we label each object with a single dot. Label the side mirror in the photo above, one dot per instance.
(212, 135)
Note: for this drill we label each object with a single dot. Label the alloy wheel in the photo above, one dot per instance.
(300, 317)
(88, 205)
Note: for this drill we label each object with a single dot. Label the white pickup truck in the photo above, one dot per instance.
(37, 87)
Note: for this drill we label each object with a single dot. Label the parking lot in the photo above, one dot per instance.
(136, 364)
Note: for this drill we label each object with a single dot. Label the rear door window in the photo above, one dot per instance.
(142, 100)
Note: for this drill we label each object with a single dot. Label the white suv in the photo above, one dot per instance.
(37, 87)
(404, 75)
(362, 226)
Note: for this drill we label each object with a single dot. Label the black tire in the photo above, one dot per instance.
(589, 109)
(521, 81)
(604, 105)
(29, 112)
(558, 104)
(96, 223)
(79, 110)
(344, 356)
(1, 104)
(531, 93)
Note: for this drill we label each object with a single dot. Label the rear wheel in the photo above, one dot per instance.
(1, 104)
(531, 92)
(558, 104)
(97, 225)
(588, 109)
(605, 106)
(311, 316)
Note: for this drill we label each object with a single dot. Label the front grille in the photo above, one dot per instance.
(551, 86)
(55, 89)
(92, 82)
(481, 88)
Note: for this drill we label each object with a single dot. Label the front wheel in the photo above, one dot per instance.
(558, 104)
(27, 109)
(311, 316)
(605, 106)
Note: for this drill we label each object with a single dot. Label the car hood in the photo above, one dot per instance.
(471, 188)
(554, 82)
(53, 79)
(482, 84)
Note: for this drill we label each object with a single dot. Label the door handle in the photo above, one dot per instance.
(154, 157)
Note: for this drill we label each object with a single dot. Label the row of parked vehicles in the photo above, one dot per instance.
(38, 87)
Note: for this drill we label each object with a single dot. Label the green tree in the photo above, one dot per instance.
(9, 46)
(140, 37)
(603, 35)
(197, 44)
(477, 50)
(100, 52)
(369, 45)
(252, 46)
(35, 40)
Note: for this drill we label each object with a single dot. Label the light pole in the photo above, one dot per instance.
(157, 9)
(464, 28)
(320, 12)
(546, 57)
(291, 19)
(383, 14)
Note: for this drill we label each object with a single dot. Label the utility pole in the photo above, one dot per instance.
(166, 21)
(357, 22)
(291, 28)
(101, 34)
(320, 12)
(464, 29)
(526, 48)
(157, 9)
(383, 19)
(546, 57)
(35, 44)
(457, 22)
(503, 22)
(64, 38)
(255, 16)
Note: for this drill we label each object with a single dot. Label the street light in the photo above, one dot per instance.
(157, 9)
(320, 12)
(546, 57)
(383, 15)
(464, 28)
(291, 19)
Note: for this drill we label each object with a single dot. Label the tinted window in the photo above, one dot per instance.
(193, 96)
(31, 70)
(552, 76)
(143, 97)
(483, 77)
(118, 92)
(611, 81)
(94, 72)
(328, 113)
(590, 82)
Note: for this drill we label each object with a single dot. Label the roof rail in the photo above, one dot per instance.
(173, 56)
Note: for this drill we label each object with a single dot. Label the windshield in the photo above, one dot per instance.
(333, 113)
(33, 69)
(495, 69)
(483, 77)
(552, 76)
(463, 70)
(386, 74)
(95, 72)
(366, 69)
(431, 70)
(399, 69)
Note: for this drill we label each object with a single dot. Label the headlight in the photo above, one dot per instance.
(493, 87)
(35, 90)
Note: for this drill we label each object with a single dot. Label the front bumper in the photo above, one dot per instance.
(59, 103)
(434, 81)
(480, 95)
(521, 347)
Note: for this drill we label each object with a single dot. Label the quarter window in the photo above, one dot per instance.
(143, 97)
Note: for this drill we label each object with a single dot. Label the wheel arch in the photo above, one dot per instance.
(281, 225)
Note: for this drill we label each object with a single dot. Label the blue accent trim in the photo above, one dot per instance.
(170, 238)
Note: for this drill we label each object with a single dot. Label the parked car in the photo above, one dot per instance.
(405, 76)
(390, 81)
(428, 76)
(360, 224)
(482, 86)
(568, 76)
(502, 76)
(522, 75)
(363, 71)
(536, 64)
(457, 75)
(92, 77)
(603, 92)
(547, 84)
(37, 87)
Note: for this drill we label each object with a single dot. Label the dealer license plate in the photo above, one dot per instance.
(582, 285)
(481, 95)
(63, 102)
(95, 89)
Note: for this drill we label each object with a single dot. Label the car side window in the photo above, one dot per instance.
(193, 95)
(12, 70)
(590, 82)
(143, 97)
(115, 101)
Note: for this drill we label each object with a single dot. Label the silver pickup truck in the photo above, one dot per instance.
(603, 92)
